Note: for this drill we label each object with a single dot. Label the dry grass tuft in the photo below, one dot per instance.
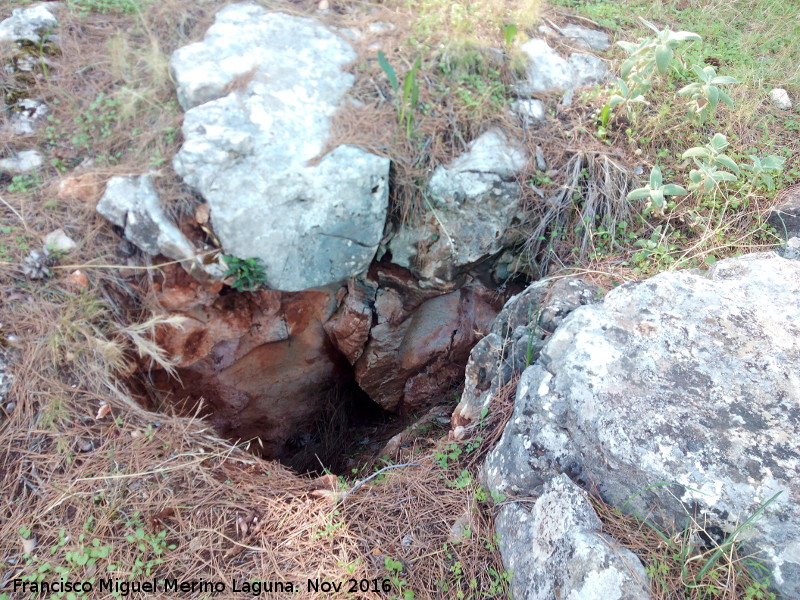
(677, 562)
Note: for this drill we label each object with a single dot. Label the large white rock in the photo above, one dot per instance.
(27, 24)
(555, 550)
(132, 203)
(254, 153)
(474, 200)
(593, 39)
(548, 71)
(687, 378)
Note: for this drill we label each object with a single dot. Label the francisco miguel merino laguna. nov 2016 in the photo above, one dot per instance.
(125, 588)
(253, 588)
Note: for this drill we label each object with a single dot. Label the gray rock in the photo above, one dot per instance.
(684, 378)
(528, 110)
(58, 241)
(791, 250)
(785, 215)
(475, 199)
(21, 162)
(548, 71)
(133, 204)
(26, 116)
(27, 24)
(251, 153)
(514, 341)
(556, 550)
(5, 377)
(589, 38)
(781, 98)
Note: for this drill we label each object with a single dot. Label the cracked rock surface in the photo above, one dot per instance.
(260, 91)
(687, 378)
(555, 550)
(475, 199)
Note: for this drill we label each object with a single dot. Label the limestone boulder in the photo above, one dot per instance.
(475, 200)
(785, 215)
(27, 24)
(555, 550)
(260, 91)
(688, 380)
(549, 71)
(517, 335)
(132, 203)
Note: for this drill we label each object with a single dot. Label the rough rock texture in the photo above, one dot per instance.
(267, 363)
(254, 153)
(588, 38)
(24, 161)
(420, 342)
(514, 341)
(556, 550)
(133, 204)
(27, 24)
(684, 378)
(475, 199)
(547, 70)
(528, 110)
(262, 362)
(26, 115)
(781, 98)
(791, 250)
(785, 215)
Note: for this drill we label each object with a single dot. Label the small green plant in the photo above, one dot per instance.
(449, 453)
(248, 273)
(653, 54)
(400, 585)
(408, 100)
(655, 252)
(759, 170)
(711, 163)
(23, 184)
(106, 6)
(656, 192)
(705, 95)
(509, 33)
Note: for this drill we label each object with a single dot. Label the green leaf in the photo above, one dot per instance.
(768, 180)
(695, 152)
(683, 36)
(689, 89)
(725, 98)
(649, 24)
(614, 101)
(655, 178)
(723, 176)
(388, 69)
(719, 142)
(657, 198)
(712, 94)
(724, 80)
(663, 57)
(638, 194)
(626, 67)
(629, 47)
(728, 163)
(773, 162)
(672, 189)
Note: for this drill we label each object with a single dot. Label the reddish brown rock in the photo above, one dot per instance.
(349, 328)
(261, 363)
(414, 357)
(84, 188)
